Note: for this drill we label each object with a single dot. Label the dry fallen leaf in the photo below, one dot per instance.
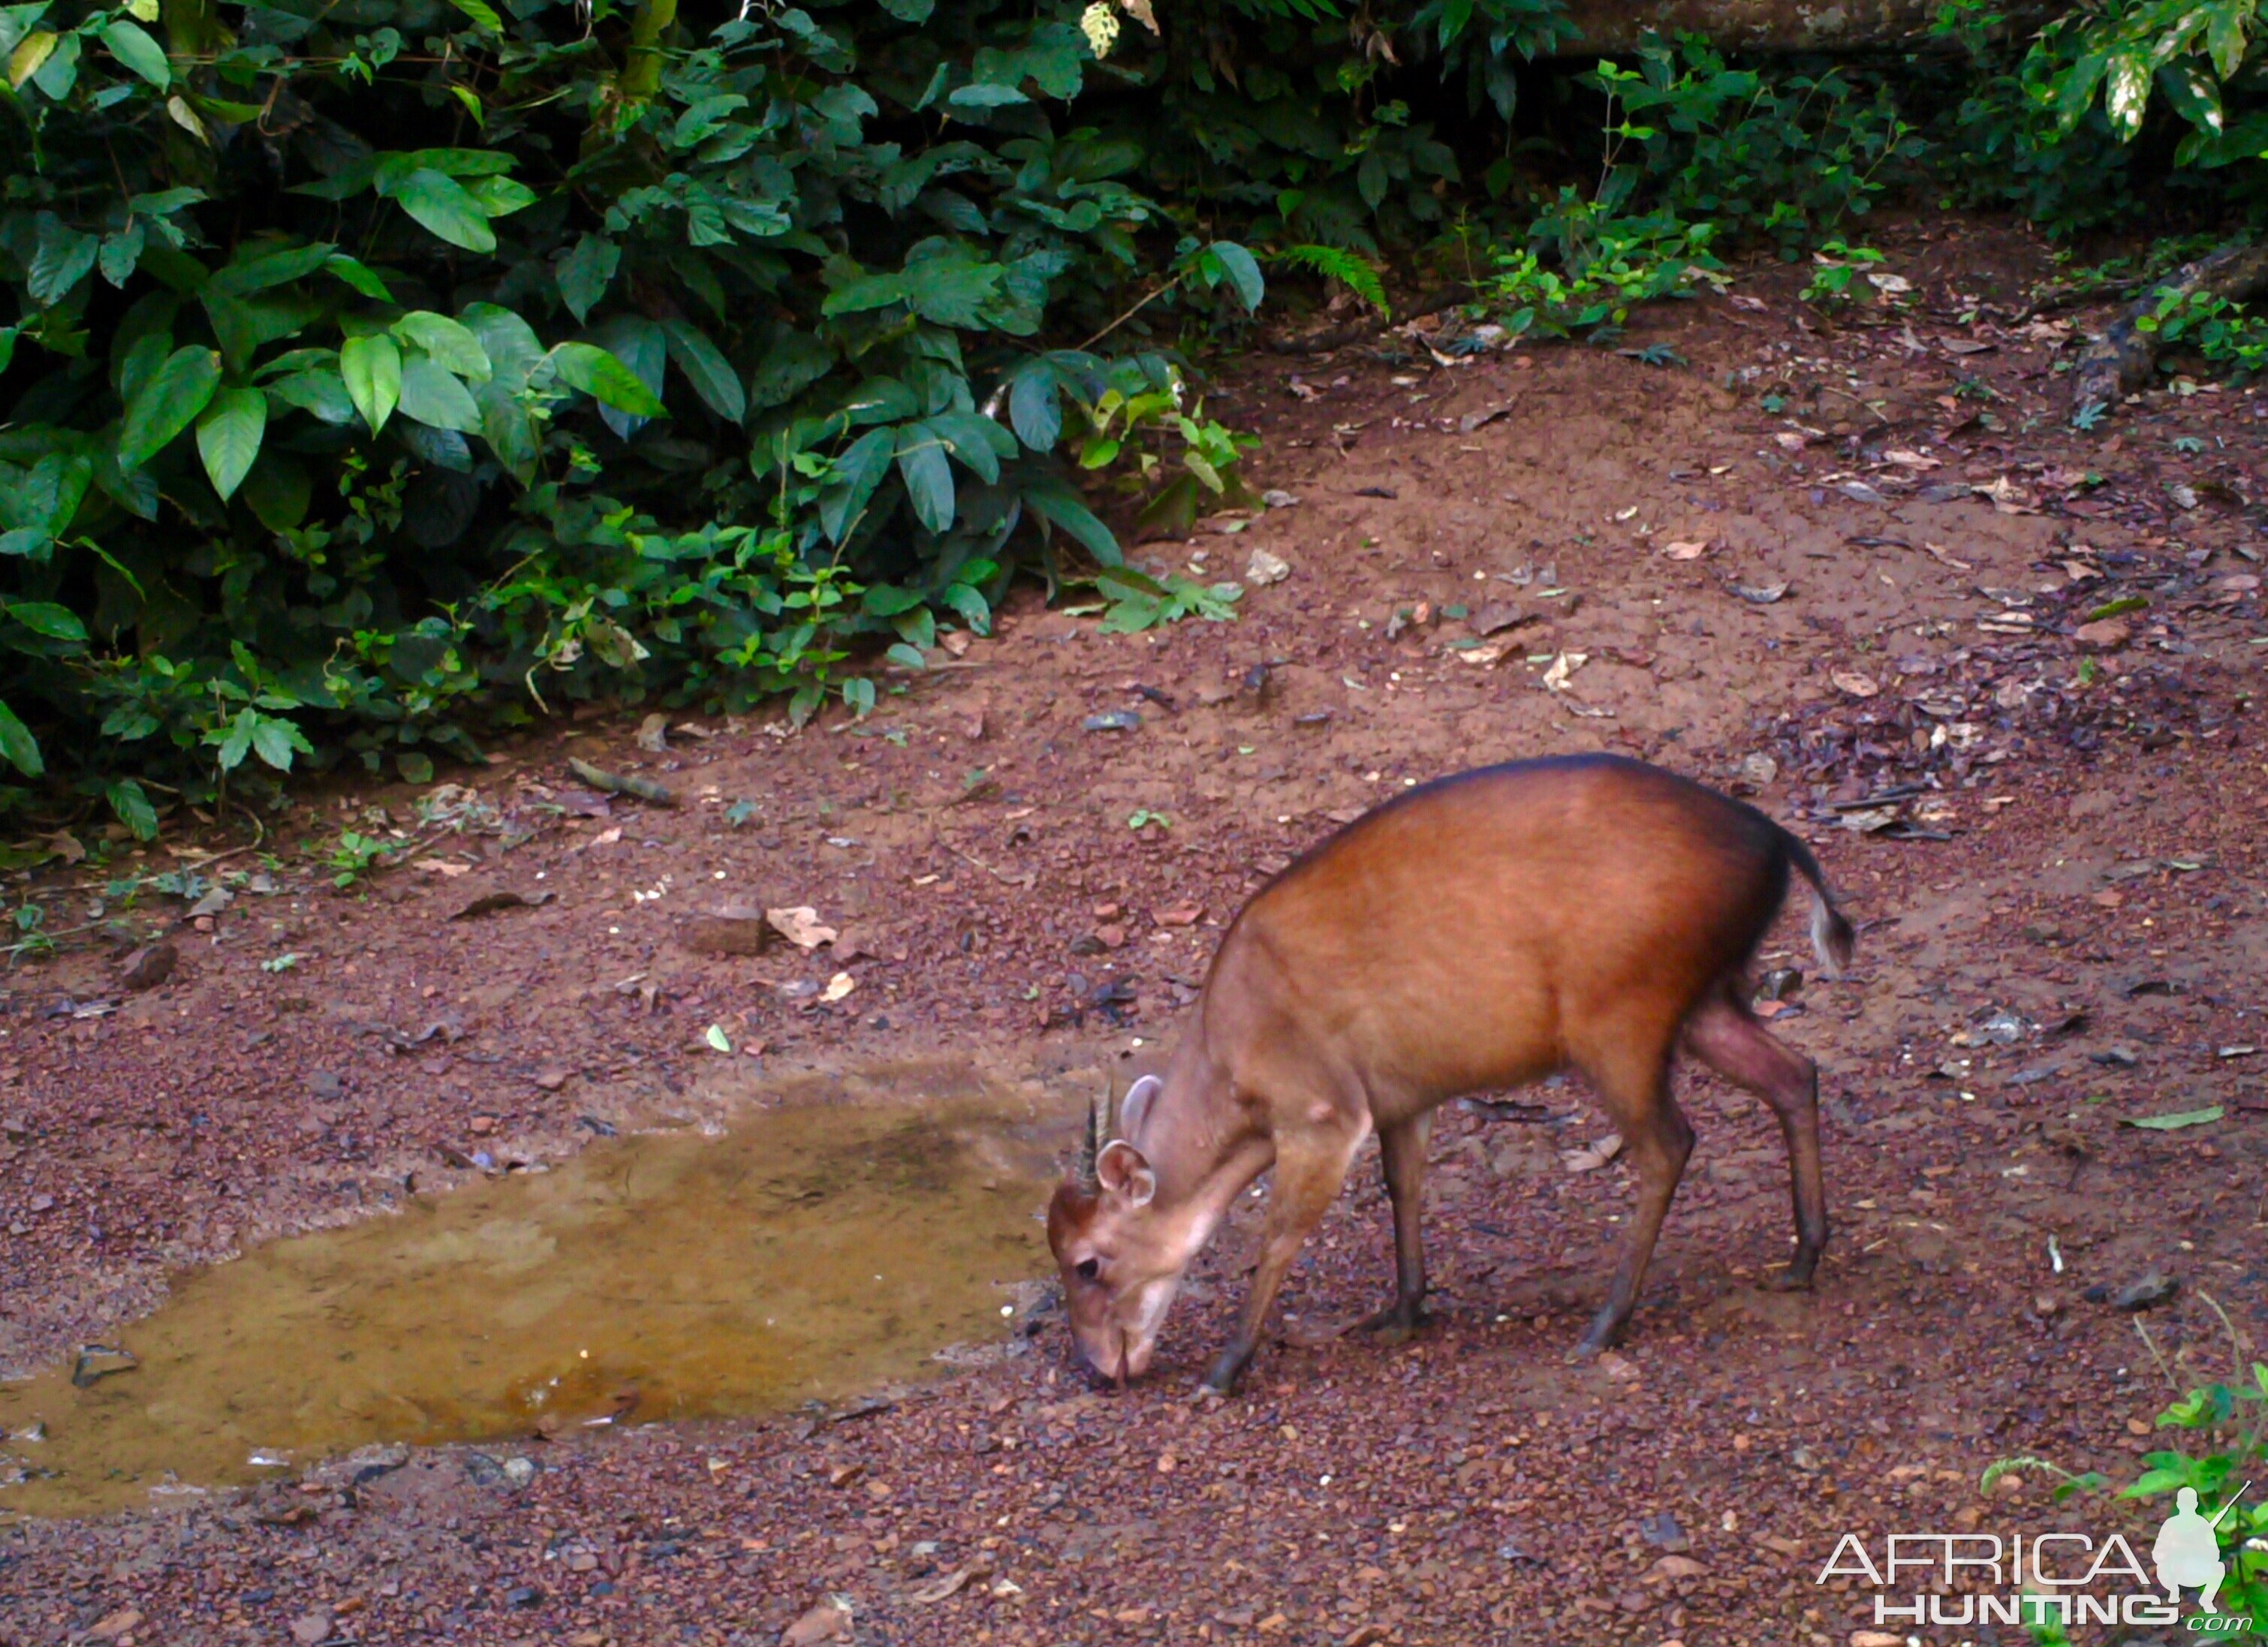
(1939, 552)
(1488, 656)
(1597, 1156)
(1686, 549)
(1857, 685)
(840, 985)
(1906, 459)
(2007, 497)
(800, 926)
(1562, 666)
(2105, 635)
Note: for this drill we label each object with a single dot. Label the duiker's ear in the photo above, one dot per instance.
(1125, 1171)
(1136, 1108)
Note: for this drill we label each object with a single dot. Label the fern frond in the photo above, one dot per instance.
(1344, 266)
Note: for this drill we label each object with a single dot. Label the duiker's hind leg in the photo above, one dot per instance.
(1726, 1037)
(1402, 1150)
(1634, 1083)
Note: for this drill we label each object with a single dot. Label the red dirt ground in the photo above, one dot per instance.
(2097, 886)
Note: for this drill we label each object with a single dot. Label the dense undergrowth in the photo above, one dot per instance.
(387, 370)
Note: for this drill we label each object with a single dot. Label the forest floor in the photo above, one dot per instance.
(2051, 840)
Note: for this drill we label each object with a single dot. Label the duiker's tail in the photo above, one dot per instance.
(1833, 939)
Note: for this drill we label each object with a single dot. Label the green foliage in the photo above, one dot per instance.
(1786, 155)
(2220, 331)
(1838, 275)
(1137, 601)
(2229, 1424)
(1602, 265)
(1336, 264)
(2227, 1454)
(384, 372)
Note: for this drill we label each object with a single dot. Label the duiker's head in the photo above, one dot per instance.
(1120, 1254)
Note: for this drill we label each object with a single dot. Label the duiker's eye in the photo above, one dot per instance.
(1089, 1268)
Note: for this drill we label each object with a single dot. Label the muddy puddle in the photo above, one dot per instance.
(805, 1253)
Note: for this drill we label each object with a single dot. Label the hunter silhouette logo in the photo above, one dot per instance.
(2187, 1553)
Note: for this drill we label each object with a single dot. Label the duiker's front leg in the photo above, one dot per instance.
(1310, 1170)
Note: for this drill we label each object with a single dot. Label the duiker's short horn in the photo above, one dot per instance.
(1098, 1135)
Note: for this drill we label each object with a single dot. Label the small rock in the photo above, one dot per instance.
(100, 1361)
(1759, 768)
(2145, 1291)
(310, 1628)
(1264, 569)
(1876, 1638)
(1663, 1532)
(149, 967)
(735, 929)
(1673, 1569)
(2046, 1305)
(824, 1623)
(1780, 983)
(523, 1596)
(2105, 635)
(113, 1625)
(1112, 721)
(520, 1472)
(653, 734)
(326, 1085)
(2114, 1058)
(1277, 499)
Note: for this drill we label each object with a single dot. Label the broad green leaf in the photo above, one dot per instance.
(435, 397)
(1061, 508)
(449, 342)
(927, 475)
(2178, 1119)
(584, 274)
(317, 392)
(440, 204)
(867, 292)
(121, 252)
(133, 807)
(229, 436)
(1243, 270)
(44, 617)
(913, 12)
(274, 738)
(265, 269)
(707, 370)
(482, 13)
(906, 656)
(976, 440)
(857, 472)
(18, 746)
(500, 197)
(167, 404)
(130, 43)
(65, 257)
(235, 742)
(356, 275)
(1035, 408)
(587, 367)
(372, 369)
(986, 97)
(2126, 90)
(31, 54)
(951, 290)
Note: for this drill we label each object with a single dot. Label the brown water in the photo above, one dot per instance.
(805, 1253)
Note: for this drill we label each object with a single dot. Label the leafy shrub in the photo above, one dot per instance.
(1607, 263)
(1786, 155)
(381, 361)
